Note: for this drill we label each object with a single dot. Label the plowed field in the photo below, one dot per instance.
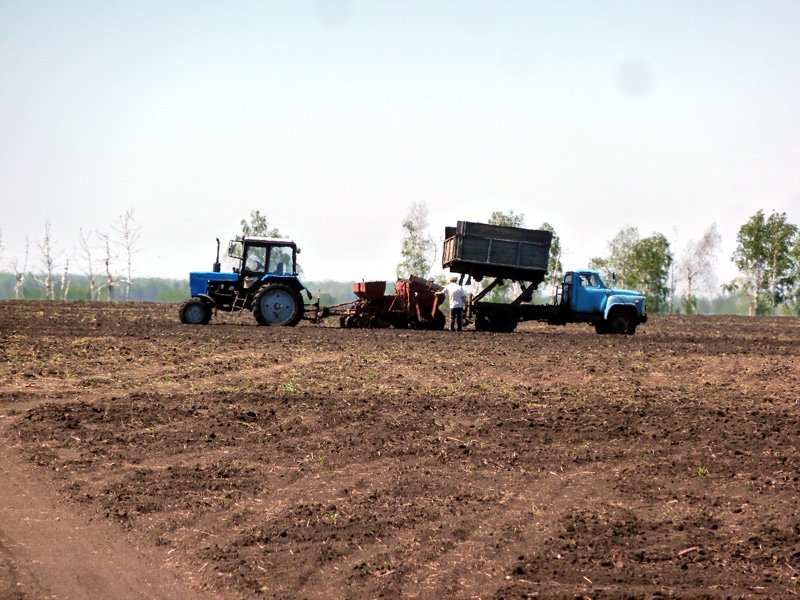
(314, 462)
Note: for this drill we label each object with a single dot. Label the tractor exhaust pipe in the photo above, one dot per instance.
(216, 267)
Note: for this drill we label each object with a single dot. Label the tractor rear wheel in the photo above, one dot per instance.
(278, 304)
(195, 311)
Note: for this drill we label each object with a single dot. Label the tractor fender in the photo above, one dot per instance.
(206, 298)
(291, 280)
(631, 303)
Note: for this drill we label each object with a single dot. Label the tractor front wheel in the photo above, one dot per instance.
(195, 311)
(278, 304)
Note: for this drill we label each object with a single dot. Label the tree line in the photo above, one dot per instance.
(104, 262)
(767, 257)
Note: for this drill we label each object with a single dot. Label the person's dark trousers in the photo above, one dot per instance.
(456, 317)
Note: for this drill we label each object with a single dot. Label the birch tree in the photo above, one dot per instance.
(65, 279)
(88, 261)
(417, 249)
(129, 234)
(47, 263)
(111, 278)
(20, 272)
(695, 269)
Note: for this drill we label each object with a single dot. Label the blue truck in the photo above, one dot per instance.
(503, 254)
(264, 281)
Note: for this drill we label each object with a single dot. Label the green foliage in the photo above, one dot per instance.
(503, 291)
(258, 226)
(640, 264)
(793, 297)
(154, 289)
(151, 289)
(726, 304)
(689, 304)
(331, 292)
(417, 247)
(620, 251)
(768, 261)
(509, 219)
(290, 387)
(555, 270)
(651, 259)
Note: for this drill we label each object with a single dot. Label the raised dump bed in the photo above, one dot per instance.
(482, 250)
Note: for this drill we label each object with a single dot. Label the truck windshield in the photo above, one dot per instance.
(590, 280)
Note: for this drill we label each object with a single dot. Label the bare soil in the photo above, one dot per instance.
(234, 461)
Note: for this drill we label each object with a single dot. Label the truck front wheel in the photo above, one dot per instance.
(602, 328)
(622, 322)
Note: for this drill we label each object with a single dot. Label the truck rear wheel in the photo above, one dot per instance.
(278, 304)
(502, 318)
(195, 311)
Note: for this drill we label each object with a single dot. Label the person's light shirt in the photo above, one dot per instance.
(455, 295)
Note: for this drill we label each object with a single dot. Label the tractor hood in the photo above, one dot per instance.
(198, 281)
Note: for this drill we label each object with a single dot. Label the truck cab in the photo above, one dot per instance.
(585, 298)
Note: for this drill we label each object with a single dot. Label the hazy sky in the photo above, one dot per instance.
(333, 116)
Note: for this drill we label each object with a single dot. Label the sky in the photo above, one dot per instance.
(332, 117)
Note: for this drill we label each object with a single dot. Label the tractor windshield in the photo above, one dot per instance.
(256, 259)
(280, 261)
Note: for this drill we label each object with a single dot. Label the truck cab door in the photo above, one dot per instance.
(588, 294)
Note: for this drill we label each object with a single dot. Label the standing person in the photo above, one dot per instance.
(457, 299)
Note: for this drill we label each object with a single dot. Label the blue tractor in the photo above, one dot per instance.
(264, 281)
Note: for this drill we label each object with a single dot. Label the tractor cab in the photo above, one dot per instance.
(257, 256)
